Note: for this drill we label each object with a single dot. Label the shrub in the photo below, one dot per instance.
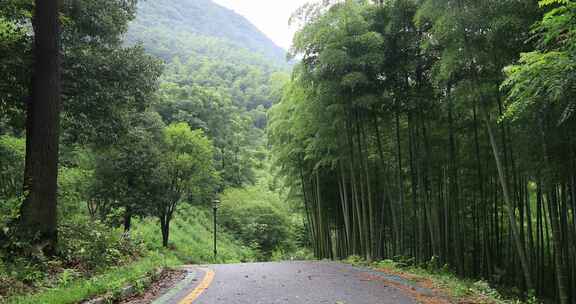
(11, 166)
(88, 245)
(11, 179)
(9, 211)
(258, 218)
(263, 227)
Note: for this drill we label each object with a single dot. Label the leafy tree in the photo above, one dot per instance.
(259, 218)
(185, 173)
(545, 77)
(123, 175)
(541, 89)
(39, 209)
(104, 82)
(228, 124)
(97, 95)
(103, 87)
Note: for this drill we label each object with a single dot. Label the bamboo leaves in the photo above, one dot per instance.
(412, 139)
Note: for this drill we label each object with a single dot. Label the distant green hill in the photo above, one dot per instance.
(221, 75)
(183, 28)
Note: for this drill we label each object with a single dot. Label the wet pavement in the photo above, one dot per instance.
(285, 283)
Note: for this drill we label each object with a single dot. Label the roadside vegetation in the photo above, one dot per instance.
(260, 216)
(442, 281)
(69, 287)
(95, 272)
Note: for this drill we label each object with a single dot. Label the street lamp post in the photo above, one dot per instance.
(215, 205)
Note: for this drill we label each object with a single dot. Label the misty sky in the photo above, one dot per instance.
(270, 16)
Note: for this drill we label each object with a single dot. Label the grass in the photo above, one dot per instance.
(111, 281)
(191, 242)
(191, 238)
(472, 291)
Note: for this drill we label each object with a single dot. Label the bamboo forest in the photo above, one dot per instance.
(294, 152)
(438, 131)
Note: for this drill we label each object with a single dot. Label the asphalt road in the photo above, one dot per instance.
(286, 283)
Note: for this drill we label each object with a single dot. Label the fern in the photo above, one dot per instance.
(544, 3)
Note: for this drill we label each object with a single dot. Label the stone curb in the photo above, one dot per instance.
(127, 291)
(180, 287)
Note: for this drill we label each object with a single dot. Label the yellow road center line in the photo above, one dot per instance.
(208, 278)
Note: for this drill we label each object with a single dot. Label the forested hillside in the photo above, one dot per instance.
(221, 75)
(167, 22)
(438, 133)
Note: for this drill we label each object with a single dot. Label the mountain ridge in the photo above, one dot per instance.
(202, 18)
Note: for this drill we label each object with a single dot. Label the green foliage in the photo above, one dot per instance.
(386, 133)
(97, 69)
(217, 77)
(12, 151)
(119, 161)
(185, 173)
(544, 79)
(459, 288)
(540, 79)
(96, 22)
(14, 70)
(123, 172)
(259, 218)
(550, 2)
(112, 84)
(11, 179)
(192, 238)
(86, 248)
(90, 245)
(187, 166)
(226, 124)
(80, 289)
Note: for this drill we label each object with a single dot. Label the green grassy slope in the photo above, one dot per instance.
(113, 280)
(191, 238)
(191, 243)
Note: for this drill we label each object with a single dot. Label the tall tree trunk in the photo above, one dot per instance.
(165, 227)
(400, 181)
(127, 221)
(509, 205)
(553, 207)
(343, 189)
(453, 189)
(39, 209)
(369, 209)
(529, 224)
(386, 189)
(540, 237)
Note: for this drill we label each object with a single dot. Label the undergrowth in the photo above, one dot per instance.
(470, 291)
(94, 259)
(191, 238)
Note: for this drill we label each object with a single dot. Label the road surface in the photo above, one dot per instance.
(284, 283)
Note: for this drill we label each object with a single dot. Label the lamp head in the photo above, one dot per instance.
(215, 203)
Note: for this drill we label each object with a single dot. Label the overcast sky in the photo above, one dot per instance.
(270, 16)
